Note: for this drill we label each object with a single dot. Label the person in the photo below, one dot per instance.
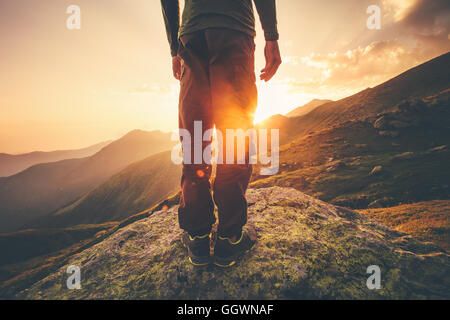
(213, 58)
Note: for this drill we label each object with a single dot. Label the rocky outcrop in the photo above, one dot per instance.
(306, 249)
(404, 156)
(381, 123)
(376, 170)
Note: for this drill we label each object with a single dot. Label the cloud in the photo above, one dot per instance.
(422, 31)
(430, 17)
(419, 19)
(363, 66)
(396, 10)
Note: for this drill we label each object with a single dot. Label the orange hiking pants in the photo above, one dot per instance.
(217, 88)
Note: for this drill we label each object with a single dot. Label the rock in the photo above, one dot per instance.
(436, 149)
(306, 249)
(333, 166)
(404, 156)
(355, 161)
(381, 123)
(376, 170)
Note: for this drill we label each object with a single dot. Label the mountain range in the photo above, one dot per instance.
(11, 164)
(135, 188)
(384, 147)
(425, 80)
(44, 188)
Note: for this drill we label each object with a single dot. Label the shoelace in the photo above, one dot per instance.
(198, 237)
(231, 242)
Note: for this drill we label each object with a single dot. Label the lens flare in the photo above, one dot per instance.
(200, 173)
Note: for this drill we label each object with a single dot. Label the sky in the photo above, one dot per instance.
(66, 89)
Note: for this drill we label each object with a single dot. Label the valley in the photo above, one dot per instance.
(383, 152)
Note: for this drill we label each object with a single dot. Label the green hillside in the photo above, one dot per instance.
(425, 80)
(44, 188)
(137, 187)
(396, 157)
(385, 148)
(14, 163)
(22, 249)
(426, 221)
(22, 269)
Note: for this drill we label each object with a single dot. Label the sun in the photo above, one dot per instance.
(277, 98)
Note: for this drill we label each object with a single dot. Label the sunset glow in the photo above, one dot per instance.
(63, 89)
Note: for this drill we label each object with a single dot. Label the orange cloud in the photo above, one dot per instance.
(370, 64)
(430, 17)
(396, 10)
(423, 27)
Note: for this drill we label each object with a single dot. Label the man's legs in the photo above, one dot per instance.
(234, 99)
(196, 211)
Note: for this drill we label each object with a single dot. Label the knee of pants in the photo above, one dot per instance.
(195, 185)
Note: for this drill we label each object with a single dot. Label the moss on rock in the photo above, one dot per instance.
(306, 249)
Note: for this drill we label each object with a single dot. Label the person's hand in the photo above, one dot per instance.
(176, 67)
(273, 60)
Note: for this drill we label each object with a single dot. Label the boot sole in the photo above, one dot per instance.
(201, 262)
(220, 265)
(226, 263)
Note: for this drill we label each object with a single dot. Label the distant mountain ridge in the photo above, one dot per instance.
(389, 146)
(135, 188)
(125, 201)
(11, 164)
(310, 106)
(44, 188)
(409, 146)
(421, 81)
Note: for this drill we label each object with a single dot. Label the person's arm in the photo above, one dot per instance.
(171, 13)
(268, 16)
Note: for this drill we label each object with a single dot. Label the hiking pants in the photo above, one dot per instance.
(217, 88)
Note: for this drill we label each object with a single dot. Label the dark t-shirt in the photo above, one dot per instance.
(232, 14)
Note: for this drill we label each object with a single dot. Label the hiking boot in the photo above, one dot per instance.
(227, 252)
(198, 248)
